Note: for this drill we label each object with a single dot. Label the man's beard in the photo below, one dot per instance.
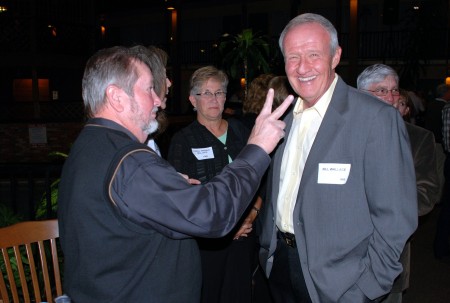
(152, 127)
(147, 128)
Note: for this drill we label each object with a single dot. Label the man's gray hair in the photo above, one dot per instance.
(115, 66)
(374, 74)
(312, 18)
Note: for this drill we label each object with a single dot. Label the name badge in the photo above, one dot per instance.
(333, 173)
(203, 153)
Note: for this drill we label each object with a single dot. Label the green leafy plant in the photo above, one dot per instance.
(246, 54)
(14, 267)
(41, 210)
(42, 214)
(8, 217)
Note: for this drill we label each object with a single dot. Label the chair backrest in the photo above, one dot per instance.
(25, 249)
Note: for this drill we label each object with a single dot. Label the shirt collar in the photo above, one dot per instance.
(321, 106)
(112, 125)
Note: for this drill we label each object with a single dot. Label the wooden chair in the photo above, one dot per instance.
(38, 240)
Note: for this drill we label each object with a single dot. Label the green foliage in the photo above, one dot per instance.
(7, 216)
(246, 55)
(41, 210)
(26, 267)
(14, 267)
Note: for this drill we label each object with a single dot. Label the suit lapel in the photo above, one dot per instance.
(332, 124)
(329, 129)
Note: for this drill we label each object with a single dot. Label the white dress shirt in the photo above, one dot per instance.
(305, 125)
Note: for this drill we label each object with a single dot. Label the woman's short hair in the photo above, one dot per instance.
(203, 74)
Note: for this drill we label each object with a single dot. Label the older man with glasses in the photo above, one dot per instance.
(382, 81)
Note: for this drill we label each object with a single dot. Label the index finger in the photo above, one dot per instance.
(279, 111)
(267, 108)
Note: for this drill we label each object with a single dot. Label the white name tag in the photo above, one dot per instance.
(203, 153)
(333, 173)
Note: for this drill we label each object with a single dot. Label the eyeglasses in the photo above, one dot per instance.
(209, 95)
(381, 92)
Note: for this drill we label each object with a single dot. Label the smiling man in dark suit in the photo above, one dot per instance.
(341, 200)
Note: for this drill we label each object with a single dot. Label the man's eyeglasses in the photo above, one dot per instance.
(209, 95)
(381, 92)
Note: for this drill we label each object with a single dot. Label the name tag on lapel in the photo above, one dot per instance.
(203, 153)
(333, 173)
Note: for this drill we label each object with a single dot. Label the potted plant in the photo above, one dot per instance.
(247, 54)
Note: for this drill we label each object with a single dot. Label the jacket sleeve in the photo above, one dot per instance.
(427, 180)
(149, 192)
(392, 200)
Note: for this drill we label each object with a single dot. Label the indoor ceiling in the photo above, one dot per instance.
(105, 6)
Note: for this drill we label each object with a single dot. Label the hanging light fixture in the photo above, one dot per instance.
(169, 5)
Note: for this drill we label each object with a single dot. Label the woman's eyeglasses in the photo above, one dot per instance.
(209, 95)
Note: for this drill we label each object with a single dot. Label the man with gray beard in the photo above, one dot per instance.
(126, 217)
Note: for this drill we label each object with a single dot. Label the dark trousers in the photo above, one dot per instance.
(441, 241)
(286, 280)
(227, 267)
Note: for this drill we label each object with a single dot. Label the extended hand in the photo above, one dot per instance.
(245, 229)
(268, 130)
(190, 180)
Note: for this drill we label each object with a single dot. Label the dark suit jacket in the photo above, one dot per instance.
(126, 217)
(423, 148)
(433, 118)
(350, 236)
(424, 155)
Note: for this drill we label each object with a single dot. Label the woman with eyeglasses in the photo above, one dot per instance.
(201, 150)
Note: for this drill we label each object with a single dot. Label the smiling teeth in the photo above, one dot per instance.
(306, 79)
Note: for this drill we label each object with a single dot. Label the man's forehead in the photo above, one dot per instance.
(385, 84)
(143, 70)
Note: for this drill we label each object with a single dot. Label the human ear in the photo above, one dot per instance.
(114, 97)
(336, 58)
(193, 101)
